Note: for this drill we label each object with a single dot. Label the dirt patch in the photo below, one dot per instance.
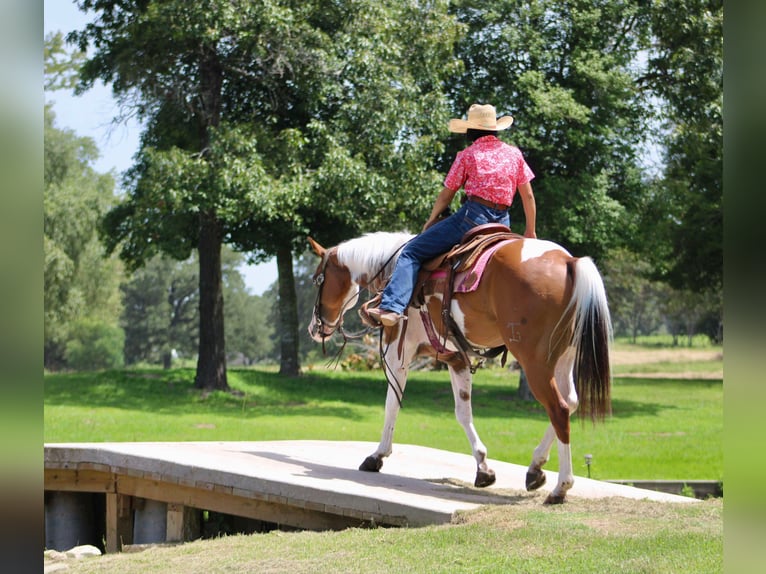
(642, 356)
(686, 375)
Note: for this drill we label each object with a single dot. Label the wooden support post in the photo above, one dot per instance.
(119, 521)
(175, 523)
(183, 523)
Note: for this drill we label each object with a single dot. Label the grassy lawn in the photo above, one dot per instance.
(661, 428)
(608, 535)
(667, 423)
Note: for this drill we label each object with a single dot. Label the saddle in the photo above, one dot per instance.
(438, 277)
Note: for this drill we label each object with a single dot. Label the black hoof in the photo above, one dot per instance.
(535, 480)
(558, 499)
(371, 464)
(484, 478)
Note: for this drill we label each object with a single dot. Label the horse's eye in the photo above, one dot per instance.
(318, 280)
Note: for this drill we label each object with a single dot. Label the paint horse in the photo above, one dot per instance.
(546, 307)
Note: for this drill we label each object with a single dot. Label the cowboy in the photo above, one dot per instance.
(490, 171)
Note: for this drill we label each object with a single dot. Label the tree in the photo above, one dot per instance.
(61, 67)
(81, 284)
(95, 345)
(564, 71)
(689, 312)
(248, 328)
(634, 298)
(161, 311)
(254, 111)
(685, 70)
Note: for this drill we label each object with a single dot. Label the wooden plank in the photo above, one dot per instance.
(288, 515)
(76, 480)
(174, 531)
(202, 495)
(119, 521)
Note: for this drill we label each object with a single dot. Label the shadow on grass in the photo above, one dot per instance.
(331, 394)
(172, 392)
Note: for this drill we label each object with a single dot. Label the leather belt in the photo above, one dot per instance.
(485, 203)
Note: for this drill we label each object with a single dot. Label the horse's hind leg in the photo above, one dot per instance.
(560, 400)
(535, 474)
(460, 377)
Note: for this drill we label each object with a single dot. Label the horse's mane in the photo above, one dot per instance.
(366, 255)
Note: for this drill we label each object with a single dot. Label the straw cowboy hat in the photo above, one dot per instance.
(480, 117)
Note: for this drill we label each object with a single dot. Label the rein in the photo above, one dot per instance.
(337, 326)
(318, 280)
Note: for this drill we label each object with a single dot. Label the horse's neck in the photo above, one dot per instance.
(372, 256)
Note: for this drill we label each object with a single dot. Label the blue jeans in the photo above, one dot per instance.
(437, 239)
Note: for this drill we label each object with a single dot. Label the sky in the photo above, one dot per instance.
(91, 115)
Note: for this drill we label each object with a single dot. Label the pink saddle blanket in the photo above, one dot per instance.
(469, 280)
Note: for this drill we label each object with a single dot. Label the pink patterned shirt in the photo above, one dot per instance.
(489, 169)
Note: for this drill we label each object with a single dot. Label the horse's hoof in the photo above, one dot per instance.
(484, 478)
(535, 480)
(555, 499)
(371, 464)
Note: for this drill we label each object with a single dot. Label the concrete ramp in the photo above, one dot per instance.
(305, 484)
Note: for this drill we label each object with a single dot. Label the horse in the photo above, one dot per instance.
(546, 307)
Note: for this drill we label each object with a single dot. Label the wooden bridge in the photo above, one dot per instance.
(150, 492)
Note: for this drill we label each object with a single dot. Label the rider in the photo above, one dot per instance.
(490, 171)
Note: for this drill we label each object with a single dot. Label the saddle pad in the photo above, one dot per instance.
(469, 280)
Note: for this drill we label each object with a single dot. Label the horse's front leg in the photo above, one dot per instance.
(460, 376)
(395, 368)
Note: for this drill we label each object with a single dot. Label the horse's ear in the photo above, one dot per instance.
(318, 249)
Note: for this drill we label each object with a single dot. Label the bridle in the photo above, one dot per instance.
(325, 328)
(318, 280)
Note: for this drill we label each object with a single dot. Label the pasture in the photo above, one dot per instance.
(667, 423)
(667, 420)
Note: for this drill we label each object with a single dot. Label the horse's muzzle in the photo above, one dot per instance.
(319, 332)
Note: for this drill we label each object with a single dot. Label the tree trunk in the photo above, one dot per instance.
(288, 313)
(167, 360)
(211, 359)
(524, 393)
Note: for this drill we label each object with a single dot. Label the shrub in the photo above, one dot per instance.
(94, 345)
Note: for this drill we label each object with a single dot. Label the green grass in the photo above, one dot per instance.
(667, 427)
(660, 428)
(607, 535)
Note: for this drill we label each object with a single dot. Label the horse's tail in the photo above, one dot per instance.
(591, 338)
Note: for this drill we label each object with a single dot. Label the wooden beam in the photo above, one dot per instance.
(77, 480)
(228, 503)
(174, 530)
(119, 521)
(298, 514)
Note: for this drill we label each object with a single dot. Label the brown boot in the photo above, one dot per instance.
(385, 318)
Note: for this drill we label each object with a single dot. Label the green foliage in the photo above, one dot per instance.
(80, 282)
(248, 328)
(162, 306)
(61, 68)
(95, 345)
(161, 311)
(330, 127)
(634, 299)
(685, 69)
(564, 71)
(249, 107)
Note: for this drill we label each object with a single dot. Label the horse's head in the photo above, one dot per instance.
(336, 293)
